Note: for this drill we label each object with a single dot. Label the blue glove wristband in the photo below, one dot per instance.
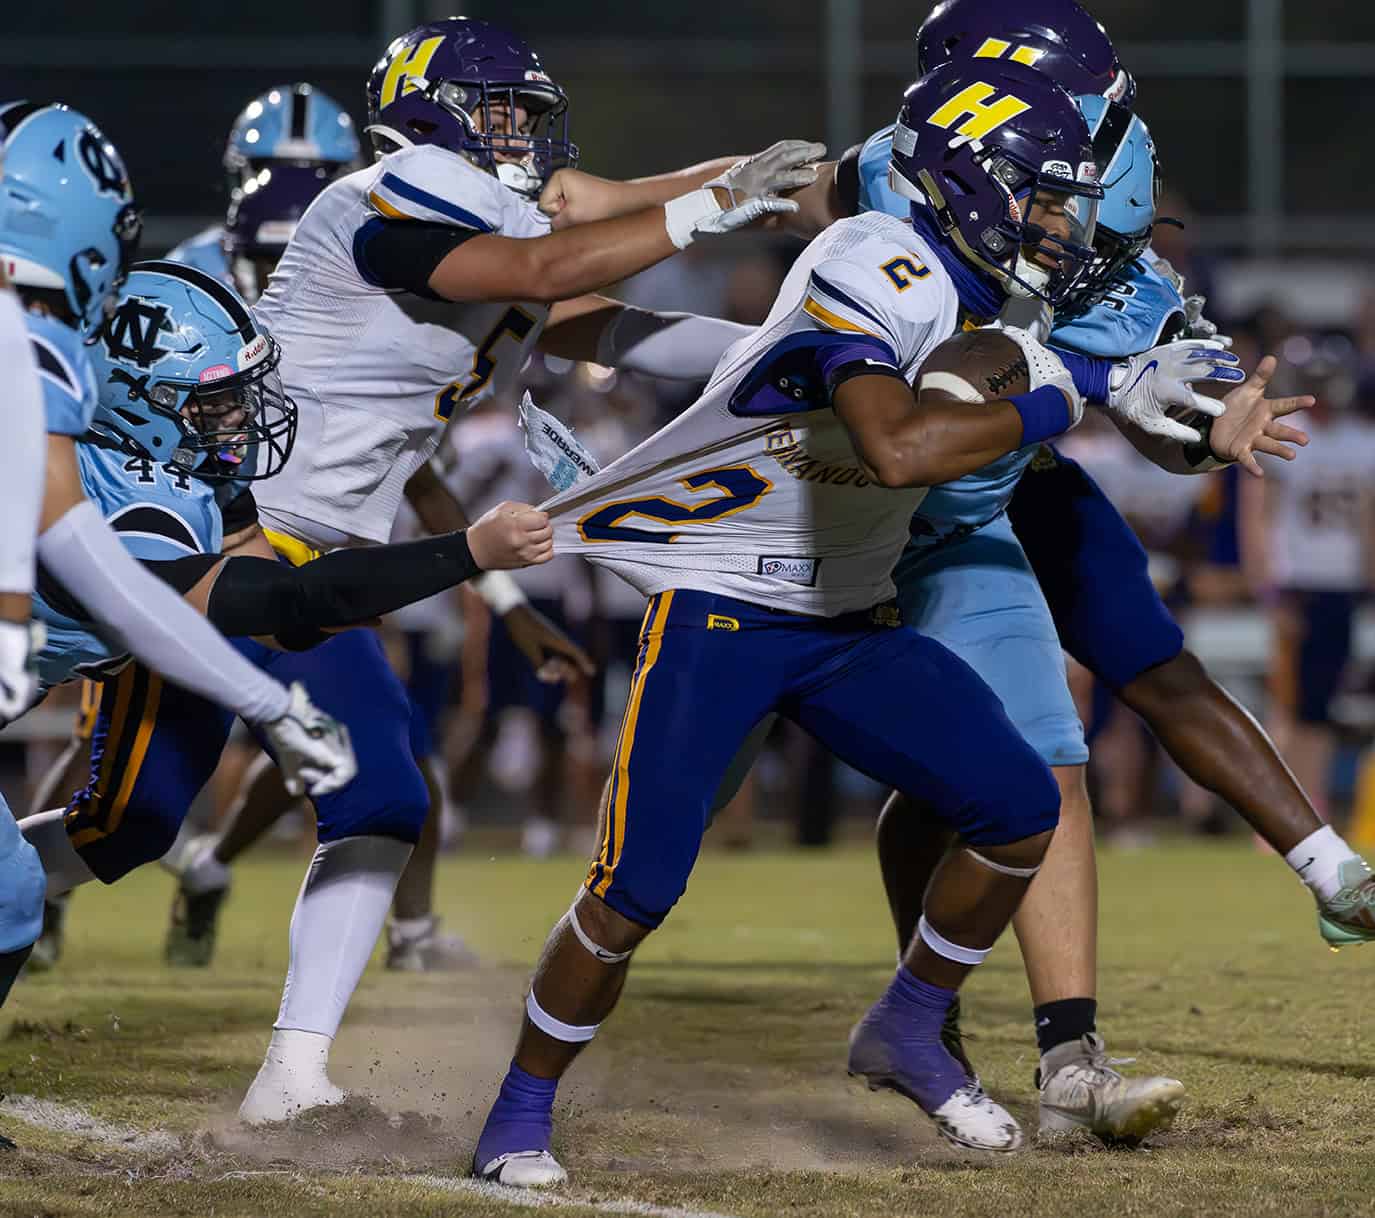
(1090, 374)
(1045, 414)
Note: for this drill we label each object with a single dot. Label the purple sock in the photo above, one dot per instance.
(899, 1042)
(521, 1119)
(923, 1003)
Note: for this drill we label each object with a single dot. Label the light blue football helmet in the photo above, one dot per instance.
(292, 124)
(1130, 174)
(187, 377)
(67, 217)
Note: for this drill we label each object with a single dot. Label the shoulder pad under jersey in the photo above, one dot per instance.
(65, 372)
(874, 192)
(433, 184)
(1140, 311)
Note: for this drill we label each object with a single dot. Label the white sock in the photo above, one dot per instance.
(47, 833)
(339, 913)
(303, 1054)
(1317, 861)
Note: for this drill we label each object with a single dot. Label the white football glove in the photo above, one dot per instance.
(751, 186)
(786, 165)
(1044, 367)
(313, 750)
(20, 643)
(1142, 388)
(1198, 326)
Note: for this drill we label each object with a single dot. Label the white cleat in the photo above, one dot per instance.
(1081, 1090)
(291, 1080)
(970, 1119)
(523, 1169)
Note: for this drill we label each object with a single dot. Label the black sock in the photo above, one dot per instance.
(1067, 1019)
(10, 964)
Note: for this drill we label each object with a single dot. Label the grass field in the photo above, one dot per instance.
(719, 1086)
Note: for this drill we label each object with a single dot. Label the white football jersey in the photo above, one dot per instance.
(1317, 532)
(755, 491)
(377, 375)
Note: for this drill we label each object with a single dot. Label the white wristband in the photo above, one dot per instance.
(683, 214)
(499, 590)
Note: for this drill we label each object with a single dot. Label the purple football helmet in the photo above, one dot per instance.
(441, 83)
(976, 141)
(263, 214)
(1056, 37)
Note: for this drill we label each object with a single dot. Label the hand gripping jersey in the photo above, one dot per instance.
(755, 491)
(1138, 313)
(376, 374)
(205, 251)
(160, 513)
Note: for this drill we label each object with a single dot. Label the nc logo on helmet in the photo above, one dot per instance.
(131, 334)
(100, 162)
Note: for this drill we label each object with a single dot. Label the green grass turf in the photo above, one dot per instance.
(719, 1085)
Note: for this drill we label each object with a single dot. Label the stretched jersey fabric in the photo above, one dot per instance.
(205, 252)
(755, 491)
(159, 512)
(65, 372)
(378, 374)
(1140, 309)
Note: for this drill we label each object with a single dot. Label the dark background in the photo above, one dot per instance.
(1261, 108)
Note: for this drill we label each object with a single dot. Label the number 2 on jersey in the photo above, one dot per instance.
(744, 488)
(517, 323)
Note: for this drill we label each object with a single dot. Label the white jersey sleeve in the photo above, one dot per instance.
(378, 374)
(756, 492)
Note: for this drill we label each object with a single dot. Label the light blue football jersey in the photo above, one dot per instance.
(205, 252)
(1132, 318)
(160, 513)
(65, 372)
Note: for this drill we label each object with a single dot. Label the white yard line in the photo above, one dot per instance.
(69, 1118)
(534, 1199)
(73, 1119)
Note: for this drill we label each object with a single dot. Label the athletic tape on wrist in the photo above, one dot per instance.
(942, 946)
(1021, 873)
(569, 1033)
(585, 939)
(683, 214)
(499, 591)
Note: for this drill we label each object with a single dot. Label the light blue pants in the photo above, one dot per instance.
(978, 596)
(22, 885)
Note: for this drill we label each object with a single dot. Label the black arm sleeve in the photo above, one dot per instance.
(183, 574)
(239, 512)
(404, 253)
(847, 180)
(259, 597)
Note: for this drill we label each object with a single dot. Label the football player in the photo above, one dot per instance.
(435, 260)
(21, 477)
(60, 170)
(774, 594)
(966, 562)
(283, 149)
(184, 371)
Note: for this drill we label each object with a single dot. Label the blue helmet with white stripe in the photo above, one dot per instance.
(187, 377)
(68, 223)
(1130, 174)
(292, 124)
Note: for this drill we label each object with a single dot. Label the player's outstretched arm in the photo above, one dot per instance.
(673, 346)
(574, 197)
(247, 595)
(157, 627)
